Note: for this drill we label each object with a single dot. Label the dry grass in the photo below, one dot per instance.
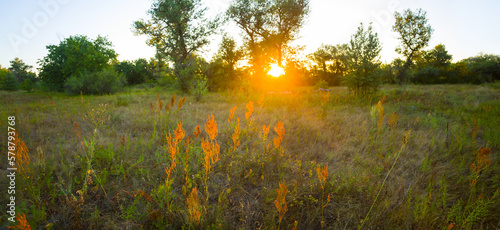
(336, 158)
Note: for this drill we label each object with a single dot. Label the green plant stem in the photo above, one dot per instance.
(386, 176)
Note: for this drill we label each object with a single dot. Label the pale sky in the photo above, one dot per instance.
(466, 28)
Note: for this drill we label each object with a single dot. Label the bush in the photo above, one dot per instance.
(105, 81)
(10, 82)
(321, 84)
(27, 85)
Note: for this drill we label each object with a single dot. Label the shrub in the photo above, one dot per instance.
(105, 81)
(27, 85)
(321, 84)
(10, 82)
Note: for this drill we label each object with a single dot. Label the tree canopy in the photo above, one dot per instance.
(269, 27)
(414, 34)
(363, 54)
(178, 29)
(74, 56)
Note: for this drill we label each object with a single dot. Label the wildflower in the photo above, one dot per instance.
(231, 114)
(211, 127)
(172, 101)
(194, 207)
(22, 223)
(250, 110)
(179, 133)
(123, 140)
(280, 202)
(322, 174)
(181, 102)
(280, 130)
(265, 131)
(197, 131)
(393, 120)
(236, 134)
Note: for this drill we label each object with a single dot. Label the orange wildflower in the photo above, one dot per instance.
(280, 130)
(194, 207)
(172, 101)
(181, 102)
(236, 134)
(322, 174)
(250, 110)
(231, 114)
(22, 223)
(280, 202)
(265, 131)
(211, 127)
(197, 131)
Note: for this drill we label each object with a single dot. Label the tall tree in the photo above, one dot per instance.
(222, 70)
(414, 34)
(269, 26)
(74, 56)
(363, 55)
(178, 30)
(21, 70)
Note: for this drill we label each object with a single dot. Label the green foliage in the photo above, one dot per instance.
(27, 85)
(363, 61)
(74, 56)
(222, 72)
(414, 34)
(20, 70)
(330, 63)
(9, 81)
(269, 28)
(321, 84)
(177, 29)
(105, 81)
(136, 72)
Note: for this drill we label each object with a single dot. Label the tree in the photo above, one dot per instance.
(432, 66)
(363, 55)
(222, 69)
(438, 57)
(178, 30)
(136, 72)
(270, 26)
(331, 61)
(7, 80)
(414, 34)
(74, 56)
(20, 70)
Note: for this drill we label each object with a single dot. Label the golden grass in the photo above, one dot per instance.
(453, 139)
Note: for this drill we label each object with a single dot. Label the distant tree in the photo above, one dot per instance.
(414, 34)
(136, 72)
(20, 70)
(178, 30)
(484, 67)
(363, 55)
(438, 57)
(7, 80)
(222, 71)
(74, 56)
(269, 27)
(331, 61)
(432, 66)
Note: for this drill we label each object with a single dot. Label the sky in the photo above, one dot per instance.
(465, 27)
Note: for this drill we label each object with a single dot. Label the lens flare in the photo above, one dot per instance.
(276, 70)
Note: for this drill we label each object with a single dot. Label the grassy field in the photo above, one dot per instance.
(423, 157)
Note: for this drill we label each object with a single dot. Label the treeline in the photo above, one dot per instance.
(179, 31)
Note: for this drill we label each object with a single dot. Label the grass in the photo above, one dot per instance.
(248, 160)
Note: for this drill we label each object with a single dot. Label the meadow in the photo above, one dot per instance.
(418, 157)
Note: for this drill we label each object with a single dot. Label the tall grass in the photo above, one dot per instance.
(297, 161)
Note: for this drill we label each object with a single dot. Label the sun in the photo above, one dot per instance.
(276, 70)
